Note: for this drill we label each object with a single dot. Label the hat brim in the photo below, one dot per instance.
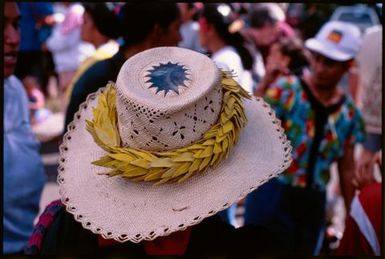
(327, 50)
(118, 208)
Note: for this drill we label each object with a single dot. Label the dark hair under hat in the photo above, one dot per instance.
(105, 18)
(139, 18)
(260, 15)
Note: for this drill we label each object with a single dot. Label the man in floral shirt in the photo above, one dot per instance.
(323, 125)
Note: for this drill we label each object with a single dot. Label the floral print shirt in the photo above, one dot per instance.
(297, 108)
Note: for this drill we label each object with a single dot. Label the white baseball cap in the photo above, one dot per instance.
(336, 40)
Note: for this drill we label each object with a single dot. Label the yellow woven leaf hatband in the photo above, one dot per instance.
(173, 165)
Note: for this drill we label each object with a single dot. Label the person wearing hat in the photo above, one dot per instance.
(145, 25)
(323, 125)
(148, 162)
(101, 28)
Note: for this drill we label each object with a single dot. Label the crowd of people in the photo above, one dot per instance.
(102, 51)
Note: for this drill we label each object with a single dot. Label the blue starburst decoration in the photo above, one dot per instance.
(167, 77)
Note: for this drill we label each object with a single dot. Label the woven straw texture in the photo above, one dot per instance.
(162, 92)
(159, 121)
(128, 211)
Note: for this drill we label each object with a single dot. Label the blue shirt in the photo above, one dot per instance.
(318, 134)
(23, 169)
(31, 36)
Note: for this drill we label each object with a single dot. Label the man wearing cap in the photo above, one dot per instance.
(323, 124)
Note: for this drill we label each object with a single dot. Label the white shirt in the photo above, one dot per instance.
(68, 50)
(370, 72)
(228, 59)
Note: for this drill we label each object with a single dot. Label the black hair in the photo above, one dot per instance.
(105, 19)
(261, 15)
(293, 48)
(139, 19)
(221, 24)
(191, 6)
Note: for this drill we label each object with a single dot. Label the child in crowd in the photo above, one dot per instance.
(286, 56)
(36, 98)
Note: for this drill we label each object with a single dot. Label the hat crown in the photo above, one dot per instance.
(127, 209)
(343, 36)
(167, 98)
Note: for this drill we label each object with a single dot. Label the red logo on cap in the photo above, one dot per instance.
(335, 36)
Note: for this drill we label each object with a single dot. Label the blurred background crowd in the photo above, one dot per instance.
(62, 44)
(57, 44)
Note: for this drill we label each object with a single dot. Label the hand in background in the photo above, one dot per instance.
(364, 171)
(273, 71)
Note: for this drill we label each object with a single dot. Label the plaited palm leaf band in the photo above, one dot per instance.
(173, 165)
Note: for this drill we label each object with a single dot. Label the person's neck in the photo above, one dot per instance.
(130, 51)
(216, 45)
(325, 95)
(100, 41)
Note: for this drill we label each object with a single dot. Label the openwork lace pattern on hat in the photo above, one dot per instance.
(141, 112)
(173, 165)
(125, 235)
(135, 127)
(120, 209)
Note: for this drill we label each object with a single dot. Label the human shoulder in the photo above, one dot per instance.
(289, 83)
(97, 75)
(47, 219)
(228, 59)
(283, 93)
(226, 53)
(63, 235)
(41, 8)
(106, 50)
(100, 70)
(351, 106)
(17, 86)
(14, 82)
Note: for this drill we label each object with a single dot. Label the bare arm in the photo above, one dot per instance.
(346, 167)
(273, 71)
(40, 102)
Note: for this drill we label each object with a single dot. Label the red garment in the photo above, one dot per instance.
(354, 241)
(173, 244)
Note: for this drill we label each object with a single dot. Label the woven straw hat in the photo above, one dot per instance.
(176, 120)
